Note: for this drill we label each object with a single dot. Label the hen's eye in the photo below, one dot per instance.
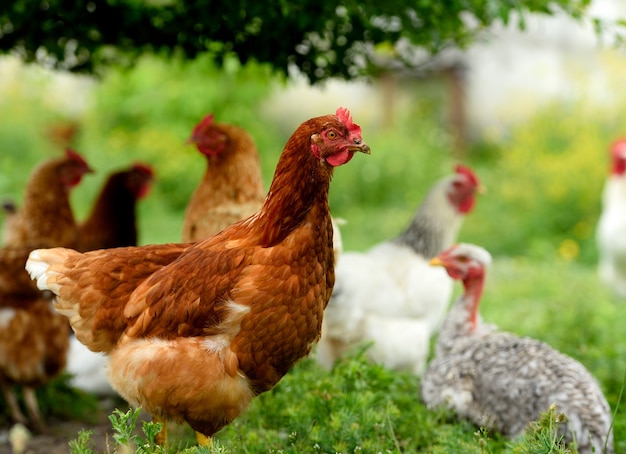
(331, 135)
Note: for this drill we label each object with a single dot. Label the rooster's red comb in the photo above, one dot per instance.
(469, 173)
(346, 118)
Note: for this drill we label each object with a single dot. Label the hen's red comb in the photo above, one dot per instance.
(469, 173)
(207, 120)
(204, 124)
(144, 168)
(71, 154)
(344, 116)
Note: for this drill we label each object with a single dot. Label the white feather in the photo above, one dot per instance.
(38, 269)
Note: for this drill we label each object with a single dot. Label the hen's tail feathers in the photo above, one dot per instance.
(41, 266)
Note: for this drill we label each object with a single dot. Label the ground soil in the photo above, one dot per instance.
(54, 440)
(58, 433)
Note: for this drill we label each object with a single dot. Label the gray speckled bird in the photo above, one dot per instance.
(501, 381)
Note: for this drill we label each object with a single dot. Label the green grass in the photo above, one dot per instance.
(361, 407)
(560, 303)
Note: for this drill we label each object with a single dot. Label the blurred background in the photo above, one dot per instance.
(533, 112)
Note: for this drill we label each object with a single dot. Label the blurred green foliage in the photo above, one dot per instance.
(321, 38)
(543, 178)
(545, 185)
(144, 114)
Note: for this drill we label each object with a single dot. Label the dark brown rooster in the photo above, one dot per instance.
(112, 222)
(232, 186)
(195, 338)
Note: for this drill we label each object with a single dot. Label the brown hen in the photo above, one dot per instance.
(196, 339)
(46, 217)
(232, 186)
(34, 339)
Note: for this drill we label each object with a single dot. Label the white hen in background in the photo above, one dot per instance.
(88, 370)
(390, 295)
(611, 229)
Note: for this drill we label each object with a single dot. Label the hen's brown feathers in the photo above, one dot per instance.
(94, 306)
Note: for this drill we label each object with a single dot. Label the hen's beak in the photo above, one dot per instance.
(360, 146)
(436, 261)
(481, 189)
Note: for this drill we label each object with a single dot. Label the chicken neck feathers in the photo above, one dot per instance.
(435, 225)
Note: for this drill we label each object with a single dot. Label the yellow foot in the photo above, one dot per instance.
(203, 440)
(161, 438)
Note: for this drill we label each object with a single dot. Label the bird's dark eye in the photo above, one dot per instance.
(332, 135)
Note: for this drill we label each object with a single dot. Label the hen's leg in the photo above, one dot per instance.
(32, 406)
(161, 438)
(203, 440)
(14, 408)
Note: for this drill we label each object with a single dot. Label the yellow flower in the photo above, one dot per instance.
(569, 249)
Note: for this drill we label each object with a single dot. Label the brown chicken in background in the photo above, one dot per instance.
(34, 342)
(62, 133)
(195, 336)
(46, 217)
(113, 220)
(232, 186)
(34, 339)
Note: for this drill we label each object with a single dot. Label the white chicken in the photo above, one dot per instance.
(501, 381)
(611, 229)
(88, 370)
(390, 296)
